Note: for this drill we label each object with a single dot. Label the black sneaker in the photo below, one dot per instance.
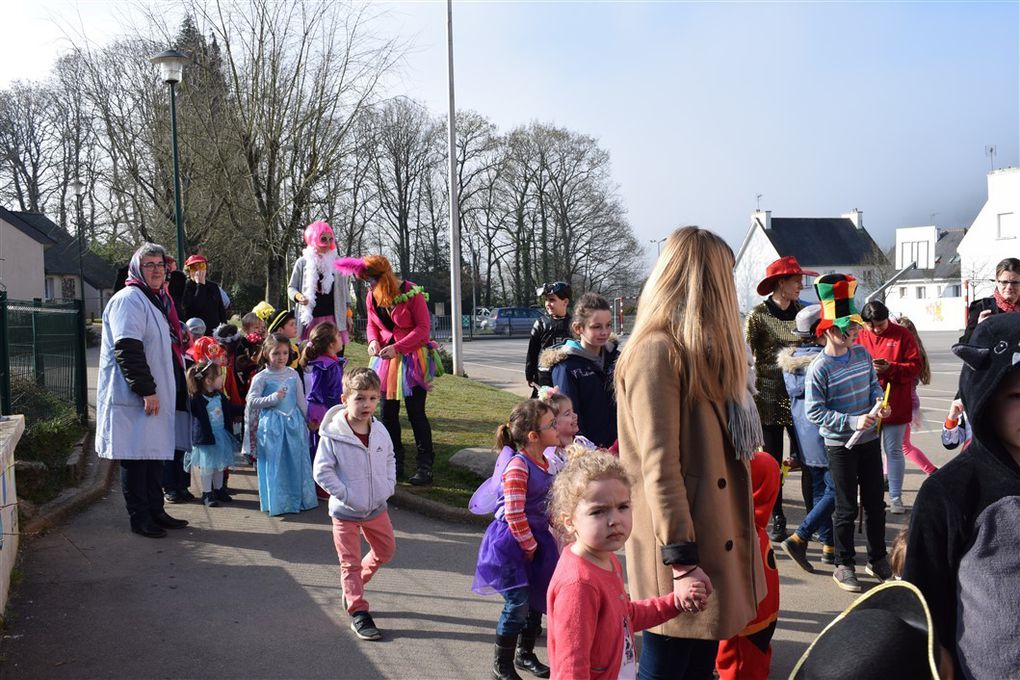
(422, 477)
(880, 570)
(186, 495)
(222, 496)
(797, 550)
(210, 500)
(778, 532)
(846, 579)
(364, 627)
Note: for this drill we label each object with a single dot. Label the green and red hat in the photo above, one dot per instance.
(836, 295)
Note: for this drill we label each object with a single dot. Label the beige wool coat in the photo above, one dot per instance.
(690, 495)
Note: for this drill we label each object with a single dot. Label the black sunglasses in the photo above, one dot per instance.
(556, 288)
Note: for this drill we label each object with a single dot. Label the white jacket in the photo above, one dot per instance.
(358, 479)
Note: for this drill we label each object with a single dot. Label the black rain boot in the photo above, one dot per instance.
(503, 658)
(525, 658)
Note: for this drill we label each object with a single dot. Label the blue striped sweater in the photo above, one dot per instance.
(839, 391)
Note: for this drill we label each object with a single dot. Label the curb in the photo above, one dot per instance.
(407, 500)
(96, 482)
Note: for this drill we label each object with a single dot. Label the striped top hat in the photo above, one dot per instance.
(836, 295)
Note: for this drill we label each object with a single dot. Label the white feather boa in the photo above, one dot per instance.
(315, 265)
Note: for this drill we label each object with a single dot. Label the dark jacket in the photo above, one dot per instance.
(201, 428)
(974, 311)
(962, 548)
(204, 302)
(588, 381)
(545, 334)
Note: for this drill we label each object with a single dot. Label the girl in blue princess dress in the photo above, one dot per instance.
(213, 446)
(277, 433)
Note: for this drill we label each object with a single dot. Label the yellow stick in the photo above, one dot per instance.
(885, 402)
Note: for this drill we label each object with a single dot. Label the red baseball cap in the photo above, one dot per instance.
(784, 266)
(195, 259)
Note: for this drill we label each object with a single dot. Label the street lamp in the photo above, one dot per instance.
(171, 71)
(658, 244)
(79, 194)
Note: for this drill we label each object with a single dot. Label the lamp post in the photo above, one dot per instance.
(658, 244)
(456, 328)
(79, 194)
(171, 71)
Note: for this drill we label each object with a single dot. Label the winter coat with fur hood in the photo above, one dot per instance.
(588, 380)
(359, 479)
(794, 362)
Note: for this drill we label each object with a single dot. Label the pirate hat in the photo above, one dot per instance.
(836, 295)
(886, 632)
(279, 320)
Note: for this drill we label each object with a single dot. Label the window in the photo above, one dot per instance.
(1008, 225)
(903, 292)
(922, 292)
(49, 288)
(914, 251)
(67, 288)
(951, 291)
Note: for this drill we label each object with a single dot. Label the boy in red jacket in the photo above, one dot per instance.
(898, 363)
(749, 655)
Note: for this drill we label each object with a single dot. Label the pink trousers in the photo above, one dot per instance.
(355, 570)
(916, 455)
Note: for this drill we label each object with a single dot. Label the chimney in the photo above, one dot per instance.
(763, 217)
(855, 216)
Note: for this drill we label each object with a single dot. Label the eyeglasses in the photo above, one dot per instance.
(550, 426)
(1005, 283)
(153, 266)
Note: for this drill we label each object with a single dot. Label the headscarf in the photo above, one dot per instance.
(160, 298)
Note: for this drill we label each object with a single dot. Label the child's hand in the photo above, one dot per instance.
(689, 597)
(885, 412)
(865, 422)
(282, 392)
(955, 409)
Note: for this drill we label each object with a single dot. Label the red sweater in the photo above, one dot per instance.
(411, 322)
(897, 346)
(591, 619)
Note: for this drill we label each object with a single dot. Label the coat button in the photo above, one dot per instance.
(722, 483)
(729, 545)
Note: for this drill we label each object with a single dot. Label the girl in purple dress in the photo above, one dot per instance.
(324, 378)
(518, 553)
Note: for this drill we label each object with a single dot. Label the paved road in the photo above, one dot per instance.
(239, 594)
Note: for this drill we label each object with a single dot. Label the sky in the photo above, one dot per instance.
(818, 107)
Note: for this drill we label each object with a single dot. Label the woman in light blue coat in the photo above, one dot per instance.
(140, 389)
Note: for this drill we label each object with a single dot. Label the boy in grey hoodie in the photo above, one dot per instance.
(356, 465)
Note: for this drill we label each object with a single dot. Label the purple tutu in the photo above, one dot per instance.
(502, 564)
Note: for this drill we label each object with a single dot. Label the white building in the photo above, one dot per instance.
(993, 235)
(22, 253)
(930, 293)
(821, 244)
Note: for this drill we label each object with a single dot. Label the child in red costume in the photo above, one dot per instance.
(749, 655)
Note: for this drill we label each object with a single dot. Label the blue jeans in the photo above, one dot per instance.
(820, 517)
(667, 658)
(517, 614)
(892, 442)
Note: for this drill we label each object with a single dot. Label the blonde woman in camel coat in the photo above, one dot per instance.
(687, 428)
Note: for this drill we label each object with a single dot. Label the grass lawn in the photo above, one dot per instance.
(463, 413)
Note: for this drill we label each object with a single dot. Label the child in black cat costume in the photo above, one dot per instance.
(964, 547)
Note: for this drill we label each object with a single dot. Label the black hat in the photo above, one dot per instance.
(886, 632)
(226, 334)
(280, 319)
(560, 289)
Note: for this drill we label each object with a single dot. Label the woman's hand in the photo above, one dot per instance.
(151, 405)
(387, 352)
(373, 348)
(198, 276)
(688, 596)
(984, 315)
(300, 299)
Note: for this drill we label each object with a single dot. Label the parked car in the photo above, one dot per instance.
(482, 315)
(512, 320)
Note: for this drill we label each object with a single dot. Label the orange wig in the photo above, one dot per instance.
(386, 285)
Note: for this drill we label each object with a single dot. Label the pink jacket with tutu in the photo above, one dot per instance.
(411, 322)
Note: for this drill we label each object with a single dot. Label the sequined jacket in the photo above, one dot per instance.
(766, 336)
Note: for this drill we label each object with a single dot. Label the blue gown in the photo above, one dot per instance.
(280, 443)
(217, 456)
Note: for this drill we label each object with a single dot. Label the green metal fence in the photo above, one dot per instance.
(43, 343)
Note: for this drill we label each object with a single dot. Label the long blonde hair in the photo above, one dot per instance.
(690, 296)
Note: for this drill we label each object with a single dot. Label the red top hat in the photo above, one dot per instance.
(195, 259)
(784, 266)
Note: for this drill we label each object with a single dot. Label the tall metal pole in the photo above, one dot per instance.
(456, 325)
(81, 249)
(178, 214)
